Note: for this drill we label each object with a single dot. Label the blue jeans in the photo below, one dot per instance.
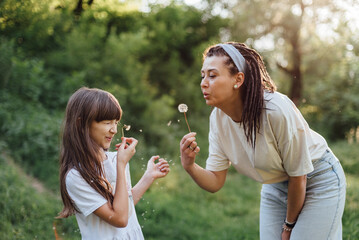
(321, 216)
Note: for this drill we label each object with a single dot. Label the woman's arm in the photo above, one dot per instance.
(296, 197)
(154, 171)
(117, 214)
(210, 181)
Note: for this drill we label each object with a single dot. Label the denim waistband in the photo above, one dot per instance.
(327, 156)
(324, 164)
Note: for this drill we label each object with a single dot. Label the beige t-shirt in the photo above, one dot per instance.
(285, 144)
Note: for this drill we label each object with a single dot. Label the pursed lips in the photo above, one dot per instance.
(205, 95)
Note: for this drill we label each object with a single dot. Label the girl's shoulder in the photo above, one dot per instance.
(72, 176)
(111, 156)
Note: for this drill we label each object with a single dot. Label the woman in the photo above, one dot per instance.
(95, 183)
(264, 136)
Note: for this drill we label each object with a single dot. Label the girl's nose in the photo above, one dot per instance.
(113, 129)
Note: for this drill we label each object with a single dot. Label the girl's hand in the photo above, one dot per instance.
(189, 149)
(125, 150)
(159, 169)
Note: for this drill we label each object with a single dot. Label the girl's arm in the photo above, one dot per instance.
(296, 197)
(117, 214)
(154, 171)
(211, 181)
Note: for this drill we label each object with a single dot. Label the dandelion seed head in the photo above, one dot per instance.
(182, 108)
(127, 127)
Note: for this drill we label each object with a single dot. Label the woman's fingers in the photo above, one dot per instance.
(187, 143)
(188, 135)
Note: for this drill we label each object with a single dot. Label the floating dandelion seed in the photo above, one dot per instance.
(126, 127)
(183, 109)
(169, 123)
(140, 130)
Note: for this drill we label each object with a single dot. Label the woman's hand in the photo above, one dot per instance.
(189, 149)
(159, 169)
(125, 150)
(286, 235)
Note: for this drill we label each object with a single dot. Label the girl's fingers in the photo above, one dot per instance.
(154, 158)
(162, 165)
(122, 144)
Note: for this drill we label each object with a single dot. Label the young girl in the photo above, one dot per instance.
(96, 184)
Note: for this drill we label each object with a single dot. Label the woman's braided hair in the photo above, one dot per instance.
(256, 81)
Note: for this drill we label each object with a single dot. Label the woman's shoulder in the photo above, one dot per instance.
(217, 114)
(277, 103)
(276, 99)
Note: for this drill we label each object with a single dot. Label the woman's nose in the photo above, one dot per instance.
(204, 83)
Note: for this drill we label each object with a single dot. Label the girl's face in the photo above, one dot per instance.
(103, 132)
(217, 83)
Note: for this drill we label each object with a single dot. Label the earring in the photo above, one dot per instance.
(235, 86)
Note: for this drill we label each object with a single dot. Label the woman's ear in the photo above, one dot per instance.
(239, 79)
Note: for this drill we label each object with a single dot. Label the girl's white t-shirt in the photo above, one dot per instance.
(285, 145)
(87, 200)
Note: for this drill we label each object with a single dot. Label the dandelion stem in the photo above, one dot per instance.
(186, 121)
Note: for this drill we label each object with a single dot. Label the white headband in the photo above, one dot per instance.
(236, 56)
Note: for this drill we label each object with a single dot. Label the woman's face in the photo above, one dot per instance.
(217, 83)
(103, 132)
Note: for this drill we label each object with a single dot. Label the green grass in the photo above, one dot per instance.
(173, 208)
(25, 213)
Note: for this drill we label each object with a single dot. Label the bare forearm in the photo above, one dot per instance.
(207, 180)
(120, 201)
(296, 197)
(141, 187)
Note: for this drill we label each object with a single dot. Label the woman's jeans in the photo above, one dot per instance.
(321, 216)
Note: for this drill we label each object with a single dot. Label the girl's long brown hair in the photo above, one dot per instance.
(256, 81)
(78, 150)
